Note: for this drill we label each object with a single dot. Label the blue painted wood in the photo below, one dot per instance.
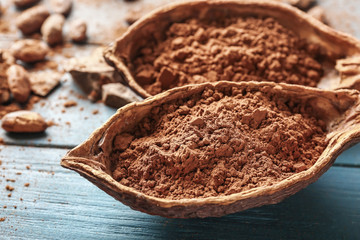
(59, 204)
(66, 206)
(351, 157)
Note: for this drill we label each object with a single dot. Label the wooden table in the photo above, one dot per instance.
(59, 204)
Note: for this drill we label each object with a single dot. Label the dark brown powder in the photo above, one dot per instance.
(233, 49)
(218, 143)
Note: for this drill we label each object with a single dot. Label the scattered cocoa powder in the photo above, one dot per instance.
(233, 49)
(218, 143)
(9, 188)
(26, 184)
(2, 219)
(70, 103)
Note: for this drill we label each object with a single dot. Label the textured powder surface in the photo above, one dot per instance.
(233, 49)
(218, 143)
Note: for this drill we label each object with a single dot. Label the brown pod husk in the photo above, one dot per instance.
(335, 45)
(337, 109)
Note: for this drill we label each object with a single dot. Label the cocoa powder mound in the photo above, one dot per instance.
(233, 49)
(218, 143)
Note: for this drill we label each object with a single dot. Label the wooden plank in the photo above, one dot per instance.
(63, 205)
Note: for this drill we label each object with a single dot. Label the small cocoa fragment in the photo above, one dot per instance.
(197, 122)
(167, 77)
(61, 6)
(77, 31)
(52, 29)
(145, 76)
(23, 121)
(31, 19)
(123, 141)
(25, 3)
(117, 95)
(70, 103)
(299, 166)
(19, 84)
(29, 50)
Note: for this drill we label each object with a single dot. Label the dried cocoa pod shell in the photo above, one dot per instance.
(335, 45)
(338, 109)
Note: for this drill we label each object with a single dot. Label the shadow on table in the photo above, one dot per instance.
(26, 136)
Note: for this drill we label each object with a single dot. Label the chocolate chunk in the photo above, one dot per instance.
(117, 95)
(43, 82)
(90, 73)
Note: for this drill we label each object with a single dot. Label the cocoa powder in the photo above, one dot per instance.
(233, 49)
(218, 143)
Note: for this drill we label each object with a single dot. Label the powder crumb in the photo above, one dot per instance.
(9, 188)
(50, 123)
(10, 180)
(9, 195)
(28, 167)
(2, 219)
(95, 112)
(70, 103)
(18, 173)
(26, 184)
